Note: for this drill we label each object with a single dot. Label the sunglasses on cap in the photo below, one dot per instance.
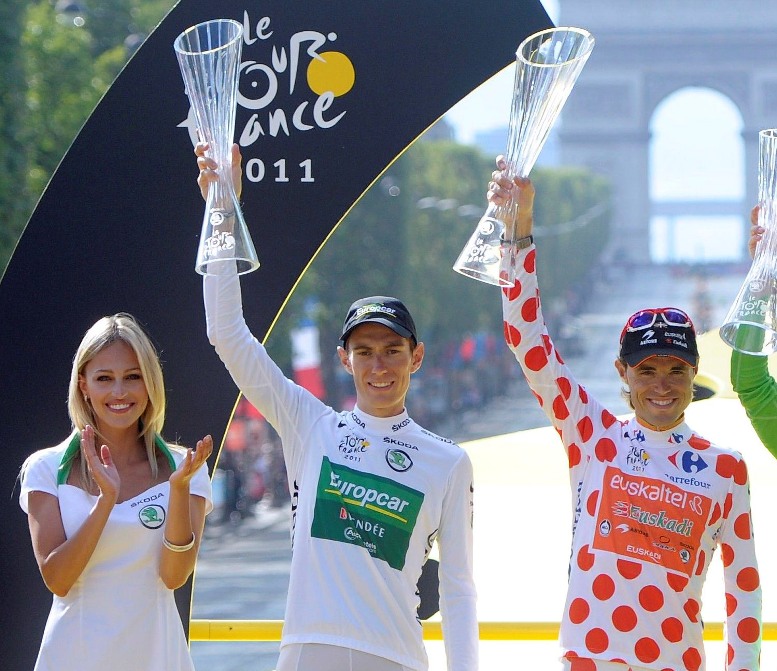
(644, 319)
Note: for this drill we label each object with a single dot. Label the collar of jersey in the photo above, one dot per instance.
(74, 446)
(381, 424)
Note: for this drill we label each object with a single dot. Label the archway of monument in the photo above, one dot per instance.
(696, 160)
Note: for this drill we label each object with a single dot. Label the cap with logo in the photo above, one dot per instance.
(384, 310)
(659, 332)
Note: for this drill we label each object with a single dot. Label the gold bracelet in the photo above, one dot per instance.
(178, 548)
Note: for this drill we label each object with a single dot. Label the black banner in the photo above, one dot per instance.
(117, 228)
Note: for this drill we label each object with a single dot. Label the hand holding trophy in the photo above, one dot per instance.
(209, 57)
(548, 64)
(751, 323)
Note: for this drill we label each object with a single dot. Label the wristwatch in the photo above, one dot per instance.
(523, 243)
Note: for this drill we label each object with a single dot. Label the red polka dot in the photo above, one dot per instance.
(692, 659)
(560, 410)
(583, 394)
(605, 450)
(579, 611)
(672, 629)
(603, 587)
(596, 641)
(536, 359)
(729, 654)
(629, 569)
(582, 664)
(624, 618)
(748, 580)
(701, 562)
(512, 335)
(564, 386)
(691, 608)
(742, 526)
(590, 504)
(731, 604)
(725, 465)
(698, 443)
(740, 473)
(651, 598)
(716, 513)
(529, 309)
(585, 428)
(726, 554)
(749, 630)
(608, 419)
(677, 582)
(647, 650)
(585, 560)
(530, 261)
(574, 455)
(727, 505)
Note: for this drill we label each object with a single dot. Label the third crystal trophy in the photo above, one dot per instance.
(751, 323)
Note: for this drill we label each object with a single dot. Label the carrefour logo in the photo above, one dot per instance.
(688, 461)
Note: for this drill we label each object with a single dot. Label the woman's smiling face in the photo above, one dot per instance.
(114, 384)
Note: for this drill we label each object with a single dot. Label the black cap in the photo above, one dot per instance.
(659, 339)
(384, 310)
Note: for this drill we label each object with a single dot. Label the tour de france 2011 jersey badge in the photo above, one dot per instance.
(152, 516)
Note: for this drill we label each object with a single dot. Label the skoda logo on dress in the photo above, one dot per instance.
(398, 460)
(152, 517)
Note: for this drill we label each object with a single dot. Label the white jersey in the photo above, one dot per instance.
(369, 497)
(118, 615)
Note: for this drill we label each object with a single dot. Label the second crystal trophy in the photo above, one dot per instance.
(547, 66)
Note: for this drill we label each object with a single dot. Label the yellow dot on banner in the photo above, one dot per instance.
(332, 71)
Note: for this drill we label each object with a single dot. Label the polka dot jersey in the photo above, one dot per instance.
(650, 508)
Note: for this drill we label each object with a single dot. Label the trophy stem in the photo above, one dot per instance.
(481, 258)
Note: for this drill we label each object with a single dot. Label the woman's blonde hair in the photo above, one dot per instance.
(121, 327)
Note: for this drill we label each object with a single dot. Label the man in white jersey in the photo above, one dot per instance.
(651, 498)
(371, 491)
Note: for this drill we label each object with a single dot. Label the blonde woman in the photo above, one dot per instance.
(116, 514)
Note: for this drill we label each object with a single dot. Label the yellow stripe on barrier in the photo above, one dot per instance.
(270, 630)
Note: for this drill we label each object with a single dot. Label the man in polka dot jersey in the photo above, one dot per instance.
(652, 499)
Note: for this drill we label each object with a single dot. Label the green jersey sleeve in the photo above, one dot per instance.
(757, 391)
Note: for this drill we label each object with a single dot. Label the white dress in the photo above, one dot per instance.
(119, 615)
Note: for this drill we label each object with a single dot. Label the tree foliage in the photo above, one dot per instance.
(15, 198)
(55, 68)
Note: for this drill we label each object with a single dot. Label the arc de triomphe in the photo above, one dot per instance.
(645, 51)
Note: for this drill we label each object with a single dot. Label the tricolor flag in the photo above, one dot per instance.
(306, 358)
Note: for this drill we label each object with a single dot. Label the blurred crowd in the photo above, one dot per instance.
(250, 468)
